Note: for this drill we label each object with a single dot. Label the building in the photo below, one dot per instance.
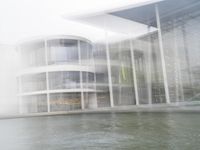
(162, 43)
(149, 55)
(57, 75)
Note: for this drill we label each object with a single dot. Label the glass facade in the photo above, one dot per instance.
(157, 63)
(57, 74)
(121, 73)
(181, 47)
(101, 70)
(65, 101)
(64, 80)
(62, 51)
(148, 69)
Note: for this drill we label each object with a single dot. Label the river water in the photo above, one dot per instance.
(121, 131)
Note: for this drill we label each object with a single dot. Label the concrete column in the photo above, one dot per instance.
(109, 73)
(95, 88)
(148, 65)
(108, 65)
(160, 40)
(120, 85)
(81, 77)
(47, 76)
(134, 73)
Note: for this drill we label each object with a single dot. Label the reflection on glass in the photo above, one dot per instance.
(64, 80)
(181, 45)
(127, 68)
(62, 51)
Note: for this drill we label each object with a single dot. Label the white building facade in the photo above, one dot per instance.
(57, 75)
(150, 55)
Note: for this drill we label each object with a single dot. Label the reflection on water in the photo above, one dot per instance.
(139, 131)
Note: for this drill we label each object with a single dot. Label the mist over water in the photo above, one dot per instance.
(9, 65)
(20, 22)
(141, 131)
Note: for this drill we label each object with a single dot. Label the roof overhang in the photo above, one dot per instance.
(167, 9)
(134, 20)
(145, 12)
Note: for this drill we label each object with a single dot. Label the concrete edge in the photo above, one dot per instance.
(118, 109)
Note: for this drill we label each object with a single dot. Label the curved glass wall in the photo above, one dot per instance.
(88, 80)
(57, 51)
(62, 51)
(70, 80)
(86, 53)
(65, 101)
(64, 80)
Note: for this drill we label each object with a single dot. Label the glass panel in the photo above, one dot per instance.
(88, 80)
(180, 33)
(157, 81)
(101, 70)
(103, 98)
(86, 53)
(64, 80)
(140, 68)
(148, 69)
(62, 51)
(121, 71)
(133, 49)
(65, 101)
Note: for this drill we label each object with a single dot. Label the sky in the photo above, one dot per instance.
(24, 19)
(21, 19)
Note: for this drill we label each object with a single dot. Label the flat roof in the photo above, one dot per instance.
(145, 14)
